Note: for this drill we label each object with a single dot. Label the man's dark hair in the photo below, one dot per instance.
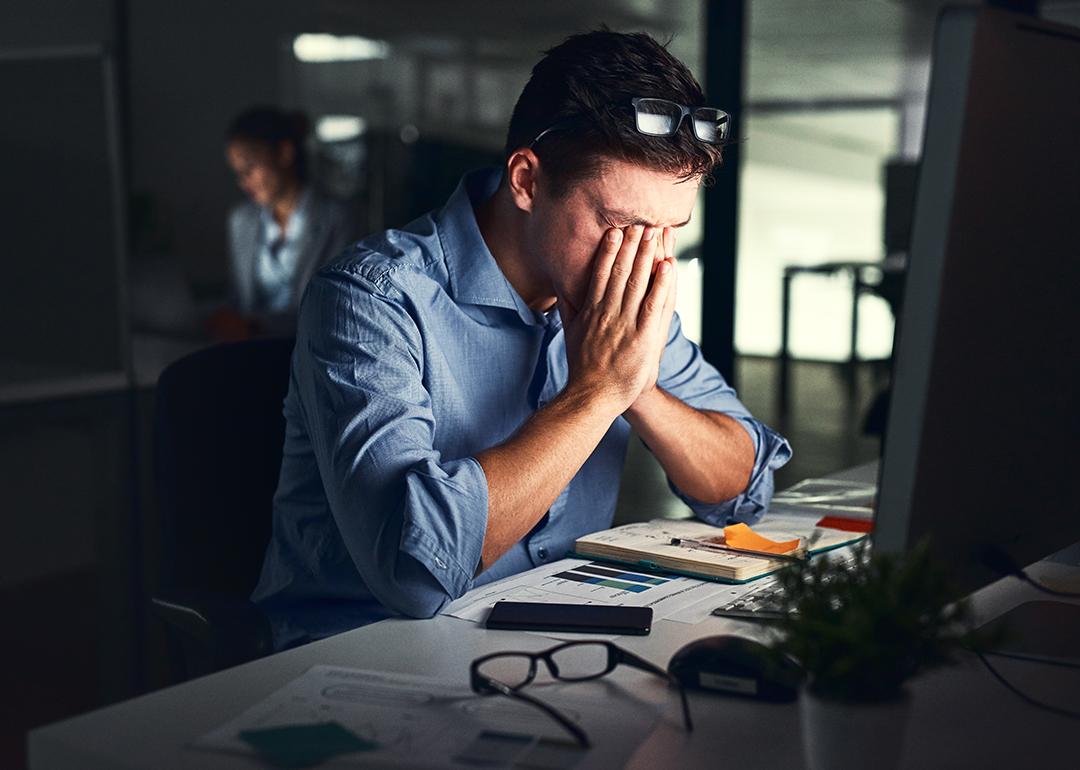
(586, 85)
(272, 127)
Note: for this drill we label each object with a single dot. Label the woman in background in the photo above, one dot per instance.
(285, 230)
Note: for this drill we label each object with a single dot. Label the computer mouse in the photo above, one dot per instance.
(735, 665)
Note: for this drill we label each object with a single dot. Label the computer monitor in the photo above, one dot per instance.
(983, 441)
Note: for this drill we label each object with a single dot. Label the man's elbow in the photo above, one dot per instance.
(735, 474)
(416, 601)
(728, 483)
(419, 605)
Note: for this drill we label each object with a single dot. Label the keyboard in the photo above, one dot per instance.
(760, 604)
(763, 603)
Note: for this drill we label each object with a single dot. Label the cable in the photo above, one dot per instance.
(1034, 659)
(1000, 562)
(1024, 696)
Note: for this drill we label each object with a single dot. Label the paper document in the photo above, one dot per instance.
(848, 498)
(581, 581)
(401, 720)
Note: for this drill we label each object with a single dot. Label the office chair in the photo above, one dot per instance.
(218, 437)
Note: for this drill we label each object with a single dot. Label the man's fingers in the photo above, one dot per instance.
(652, 309)
(623, 266)
(605, 258)
(669, 304)
(669, 243)
(637, 283)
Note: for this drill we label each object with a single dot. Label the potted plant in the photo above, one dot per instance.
(860, 629)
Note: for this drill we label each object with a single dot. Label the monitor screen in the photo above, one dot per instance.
(982, 442)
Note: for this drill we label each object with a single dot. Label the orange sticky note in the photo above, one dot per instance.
(741, 536)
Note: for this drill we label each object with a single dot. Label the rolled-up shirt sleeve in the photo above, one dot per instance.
(413, 522)
(685, 374)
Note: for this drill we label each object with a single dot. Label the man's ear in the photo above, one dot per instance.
(522, 170)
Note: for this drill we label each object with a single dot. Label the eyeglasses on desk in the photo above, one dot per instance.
(506, 673)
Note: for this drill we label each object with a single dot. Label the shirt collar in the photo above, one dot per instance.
(296, 223)
(475, 277)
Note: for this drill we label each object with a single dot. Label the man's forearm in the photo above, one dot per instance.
(528, 471)
(708, 455)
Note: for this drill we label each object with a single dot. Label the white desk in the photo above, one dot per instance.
(961, 717)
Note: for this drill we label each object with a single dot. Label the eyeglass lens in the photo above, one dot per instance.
(571, 663)
(584, 661)
(710, 125)
(657, 117)
(512, 670)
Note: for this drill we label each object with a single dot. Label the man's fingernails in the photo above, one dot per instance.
(614, 236)
(648, 233)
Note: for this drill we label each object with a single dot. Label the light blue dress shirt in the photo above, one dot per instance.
(279, 256)
(414, 353)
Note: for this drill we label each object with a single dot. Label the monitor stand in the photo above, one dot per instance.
(1040, 630)
(1044, 629)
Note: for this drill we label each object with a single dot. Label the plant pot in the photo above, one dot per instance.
(839, 735)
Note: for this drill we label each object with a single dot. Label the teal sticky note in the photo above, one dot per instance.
(304, 745)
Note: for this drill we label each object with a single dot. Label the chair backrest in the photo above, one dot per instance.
(218, 437)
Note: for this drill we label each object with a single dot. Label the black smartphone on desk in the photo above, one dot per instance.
(578, 618)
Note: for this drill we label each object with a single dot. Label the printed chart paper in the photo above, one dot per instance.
(404, 720)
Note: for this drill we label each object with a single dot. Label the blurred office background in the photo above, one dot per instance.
(112, 154)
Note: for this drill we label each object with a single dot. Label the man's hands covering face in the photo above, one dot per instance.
(614, 341)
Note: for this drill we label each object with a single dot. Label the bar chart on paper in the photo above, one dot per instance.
(604, 576)
(580, 581)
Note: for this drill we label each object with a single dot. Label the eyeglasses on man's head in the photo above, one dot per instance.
(662, 117)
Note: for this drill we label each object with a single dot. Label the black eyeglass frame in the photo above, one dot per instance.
(684, 111)
(485, 685)
(574, 121)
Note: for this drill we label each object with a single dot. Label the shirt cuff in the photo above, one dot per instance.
(446, 508)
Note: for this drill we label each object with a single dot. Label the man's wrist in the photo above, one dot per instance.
(643, 403)
(592, 398)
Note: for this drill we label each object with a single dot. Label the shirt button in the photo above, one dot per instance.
(440, 563)
(541, 552)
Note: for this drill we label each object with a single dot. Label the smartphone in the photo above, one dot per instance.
(580, 618)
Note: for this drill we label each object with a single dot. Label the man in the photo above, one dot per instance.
(463, 390)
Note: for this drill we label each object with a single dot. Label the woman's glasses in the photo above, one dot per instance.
(506, 673)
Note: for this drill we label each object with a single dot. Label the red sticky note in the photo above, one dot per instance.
(847, 525)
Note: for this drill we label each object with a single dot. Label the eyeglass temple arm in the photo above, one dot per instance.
(578, 733)
(625, 656)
